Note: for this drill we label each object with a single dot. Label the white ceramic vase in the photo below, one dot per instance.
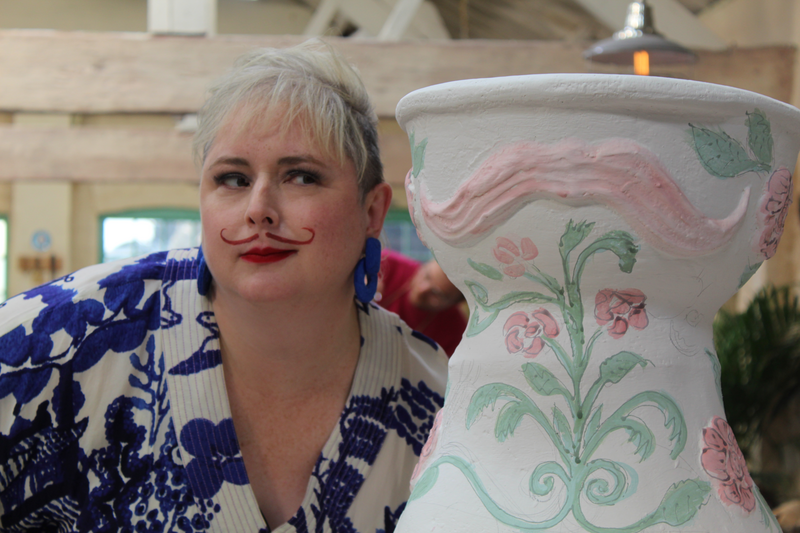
(595, 224)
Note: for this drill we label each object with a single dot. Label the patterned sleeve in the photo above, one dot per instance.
(68, 352)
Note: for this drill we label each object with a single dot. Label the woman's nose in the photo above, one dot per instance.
(261, 209)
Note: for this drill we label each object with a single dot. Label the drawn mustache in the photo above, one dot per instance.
(270, 236)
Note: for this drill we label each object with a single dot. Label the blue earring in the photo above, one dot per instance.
(368, 267)
(203, 274)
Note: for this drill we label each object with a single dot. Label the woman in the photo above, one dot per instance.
(240, 387)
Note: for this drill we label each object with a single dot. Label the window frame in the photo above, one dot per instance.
(4, 218)
(165, 213)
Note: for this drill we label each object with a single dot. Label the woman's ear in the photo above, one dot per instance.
(376, 206)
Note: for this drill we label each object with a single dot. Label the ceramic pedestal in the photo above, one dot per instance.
(595, 224)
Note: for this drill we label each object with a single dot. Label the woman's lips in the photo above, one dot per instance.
(266, 255)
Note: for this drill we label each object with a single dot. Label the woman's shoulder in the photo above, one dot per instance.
(123, 288)
(98, 282)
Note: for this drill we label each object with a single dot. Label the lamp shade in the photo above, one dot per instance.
(620, 51)
(639, 34)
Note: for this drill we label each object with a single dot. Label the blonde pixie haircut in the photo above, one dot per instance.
(310, 82)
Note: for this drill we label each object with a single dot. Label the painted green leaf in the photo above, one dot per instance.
(476, 325)
(759, 136)
(478, 291)
(673, 416)
(543, 381)
(486, 270)
(481, 399)
(616, 367)
(682, 501)
(593, 424)
(722, 155)
(748, 273)
(425, 483)
(673, 419)
(573, 236)
(417, 154)
(487, 396)
(679, 505)
(562, 428)
(641, 437)
(508, 420)
(620, 419)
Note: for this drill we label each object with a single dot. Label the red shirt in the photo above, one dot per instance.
(445, 327)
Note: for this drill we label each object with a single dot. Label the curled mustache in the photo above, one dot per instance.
(270, 236)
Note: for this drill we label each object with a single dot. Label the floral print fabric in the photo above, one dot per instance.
(114, 415)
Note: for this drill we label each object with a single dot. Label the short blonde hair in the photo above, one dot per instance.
(310, 82)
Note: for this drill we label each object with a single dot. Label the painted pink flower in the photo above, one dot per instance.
(428, 449)
(723, 460)
(772, 213)
(524, 332)
(620, 308)
(509, 254)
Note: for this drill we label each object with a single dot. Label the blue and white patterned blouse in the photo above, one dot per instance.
(114, 415)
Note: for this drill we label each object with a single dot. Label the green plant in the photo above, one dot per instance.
(759, 353)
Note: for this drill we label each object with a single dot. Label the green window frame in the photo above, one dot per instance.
(169, 214)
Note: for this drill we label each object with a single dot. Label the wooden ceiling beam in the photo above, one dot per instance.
(68, 72)
(79, 154)
(94, 154)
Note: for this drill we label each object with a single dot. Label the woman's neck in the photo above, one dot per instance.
(284, 347)
(288, 373)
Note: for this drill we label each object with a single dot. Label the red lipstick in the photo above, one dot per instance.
(266, 255)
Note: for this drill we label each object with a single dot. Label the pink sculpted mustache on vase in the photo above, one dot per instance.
(618, 173)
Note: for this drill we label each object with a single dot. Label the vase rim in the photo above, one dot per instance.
(618, 93)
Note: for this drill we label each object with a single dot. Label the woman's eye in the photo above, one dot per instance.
(304, 178)
(233, 180)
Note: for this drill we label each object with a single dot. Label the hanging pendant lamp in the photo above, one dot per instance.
(639, 44)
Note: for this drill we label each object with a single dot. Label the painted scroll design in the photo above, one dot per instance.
(578, 432)
(617, 173)
(725, 157)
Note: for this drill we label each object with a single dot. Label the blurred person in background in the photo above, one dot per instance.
(423, 296)
(788, 515)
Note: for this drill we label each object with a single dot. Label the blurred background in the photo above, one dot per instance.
(97, 103)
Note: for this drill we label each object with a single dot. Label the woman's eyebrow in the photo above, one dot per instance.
(235, 161)
(295, 159)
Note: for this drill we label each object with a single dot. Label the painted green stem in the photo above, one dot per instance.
(578, 440)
